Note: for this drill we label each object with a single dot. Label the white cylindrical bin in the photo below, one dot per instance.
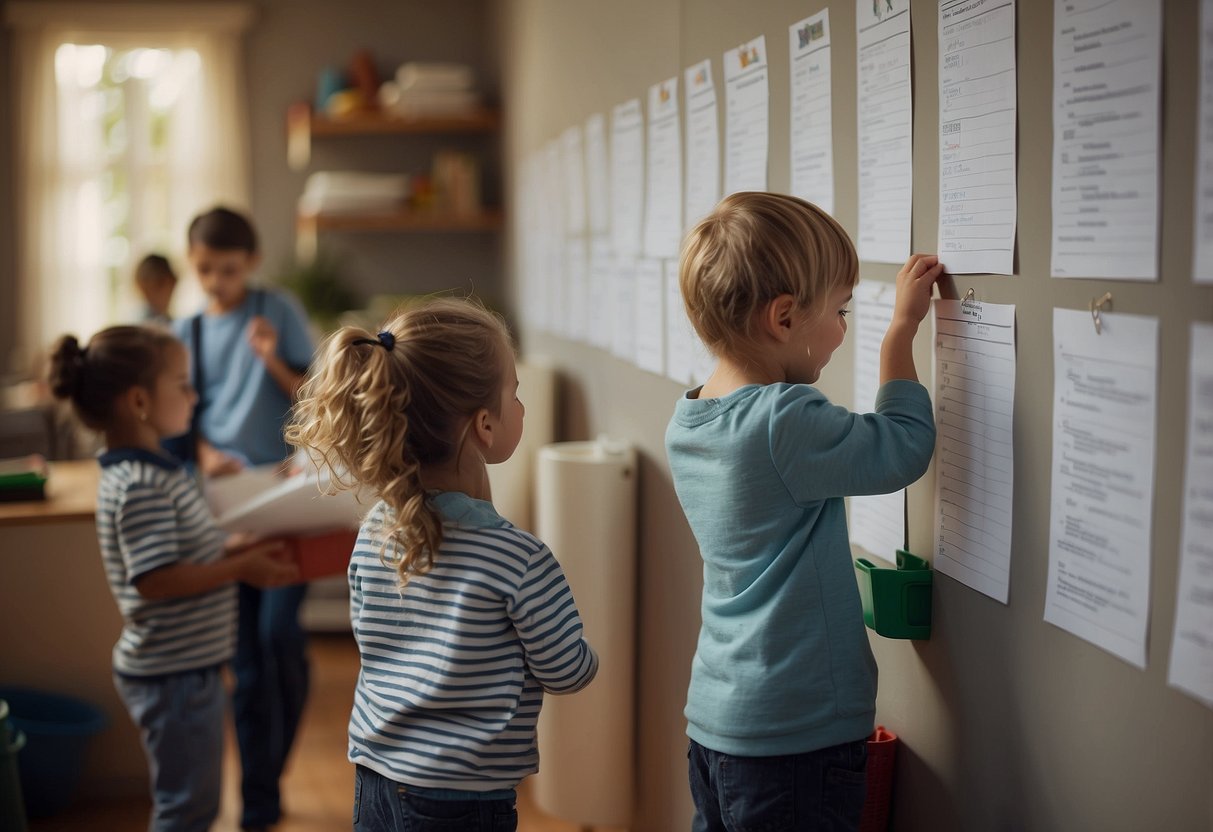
(513, 481)
(586, 513)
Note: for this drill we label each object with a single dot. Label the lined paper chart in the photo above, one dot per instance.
(885, 130)
(974, 401)
(977, 199)
(1105, 393)
(877, 520)
(811, 119)
(747, 117)
(1107, 82)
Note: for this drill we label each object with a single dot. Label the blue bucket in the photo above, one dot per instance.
(57, 731)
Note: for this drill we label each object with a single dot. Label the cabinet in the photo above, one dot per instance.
(304, 126)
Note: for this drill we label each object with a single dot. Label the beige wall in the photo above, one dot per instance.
(1007, 723)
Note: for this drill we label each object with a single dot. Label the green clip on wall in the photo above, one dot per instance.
(897, 602)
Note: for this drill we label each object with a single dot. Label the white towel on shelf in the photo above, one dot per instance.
(432, 76)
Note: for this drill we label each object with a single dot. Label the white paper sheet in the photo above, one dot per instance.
(574, 179)
(977, 109)
(623, 319)
(577, 268)
(974, 456)
(294, 505)
(650, 316)
(601, 292)
(627, 178)
(679, 336)
(597, 174)
(1202, 234)
(663, 203)
(877, 520)
(886, 119)
(1107, 64)
(1191, 666)
(703, 144)
(1104, 393)
(812, 123)
(747, 117)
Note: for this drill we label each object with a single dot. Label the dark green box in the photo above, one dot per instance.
(896, 602)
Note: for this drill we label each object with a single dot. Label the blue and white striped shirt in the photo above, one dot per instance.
(454, 667)
(151, 514)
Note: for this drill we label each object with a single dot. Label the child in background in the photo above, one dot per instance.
(783, 684)
(251, 349)
(462, 620)
(165, 560)
(156, 281)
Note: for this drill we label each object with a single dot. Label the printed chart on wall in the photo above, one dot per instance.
(1191, 667)
(627, 178)
(877, 521)
(703, 143)
(1202, 236)
(977, 107)
(747, 117)
(885, 129)
(1107, 74)
(812, 139)
(663, 185)
(975, 403)
(1104, 395)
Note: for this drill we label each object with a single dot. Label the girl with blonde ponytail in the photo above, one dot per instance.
(462, 620)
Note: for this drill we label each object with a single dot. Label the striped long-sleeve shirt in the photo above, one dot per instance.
(454, 667)
(151, 514)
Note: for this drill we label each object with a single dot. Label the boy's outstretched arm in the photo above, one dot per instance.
(914, 283)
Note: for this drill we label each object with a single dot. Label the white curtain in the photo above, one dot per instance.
(62, 277)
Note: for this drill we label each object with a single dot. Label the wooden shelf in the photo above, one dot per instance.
(307, 226)
(302, 125)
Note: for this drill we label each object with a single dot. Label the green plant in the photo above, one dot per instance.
(320, 287)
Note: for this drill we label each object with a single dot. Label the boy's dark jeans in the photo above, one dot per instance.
(817, 790)
(383, 805)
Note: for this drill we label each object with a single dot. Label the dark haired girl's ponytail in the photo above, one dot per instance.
(67, 368)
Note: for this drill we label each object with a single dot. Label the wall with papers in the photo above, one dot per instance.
(1068, 682)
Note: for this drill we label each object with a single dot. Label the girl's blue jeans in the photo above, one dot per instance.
(818, 790)
(180, 720)
(383, 805)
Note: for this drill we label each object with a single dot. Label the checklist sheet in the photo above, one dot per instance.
(974, 404)
(747, 117)
(812, 139)
(1105, 388)
(1107, 77)
(977, 107)
(886, 119)
(877, 520)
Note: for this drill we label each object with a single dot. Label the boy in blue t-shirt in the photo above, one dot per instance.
(251, 349)
(783, 683)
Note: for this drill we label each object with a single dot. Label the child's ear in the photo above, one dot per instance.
(778, 317)
(137, 401)
(482, 427)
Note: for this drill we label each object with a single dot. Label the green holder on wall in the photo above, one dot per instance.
(897, 602)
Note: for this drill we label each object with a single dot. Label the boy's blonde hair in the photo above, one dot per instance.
(753, 247)
(380, 408)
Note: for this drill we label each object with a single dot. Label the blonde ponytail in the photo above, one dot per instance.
(379, 408)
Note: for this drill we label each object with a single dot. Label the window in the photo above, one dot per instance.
(130, 121)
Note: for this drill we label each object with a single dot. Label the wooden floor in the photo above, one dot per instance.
(318, 790)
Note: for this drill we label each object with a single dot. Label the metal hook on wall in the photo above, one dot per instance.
(1097, 306)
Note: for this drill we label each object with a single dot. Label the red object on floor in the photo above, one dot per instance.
(320, 555)
(882, 751)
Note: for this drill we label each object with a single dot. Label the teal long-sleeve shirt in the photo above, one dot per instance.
(783, 664)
